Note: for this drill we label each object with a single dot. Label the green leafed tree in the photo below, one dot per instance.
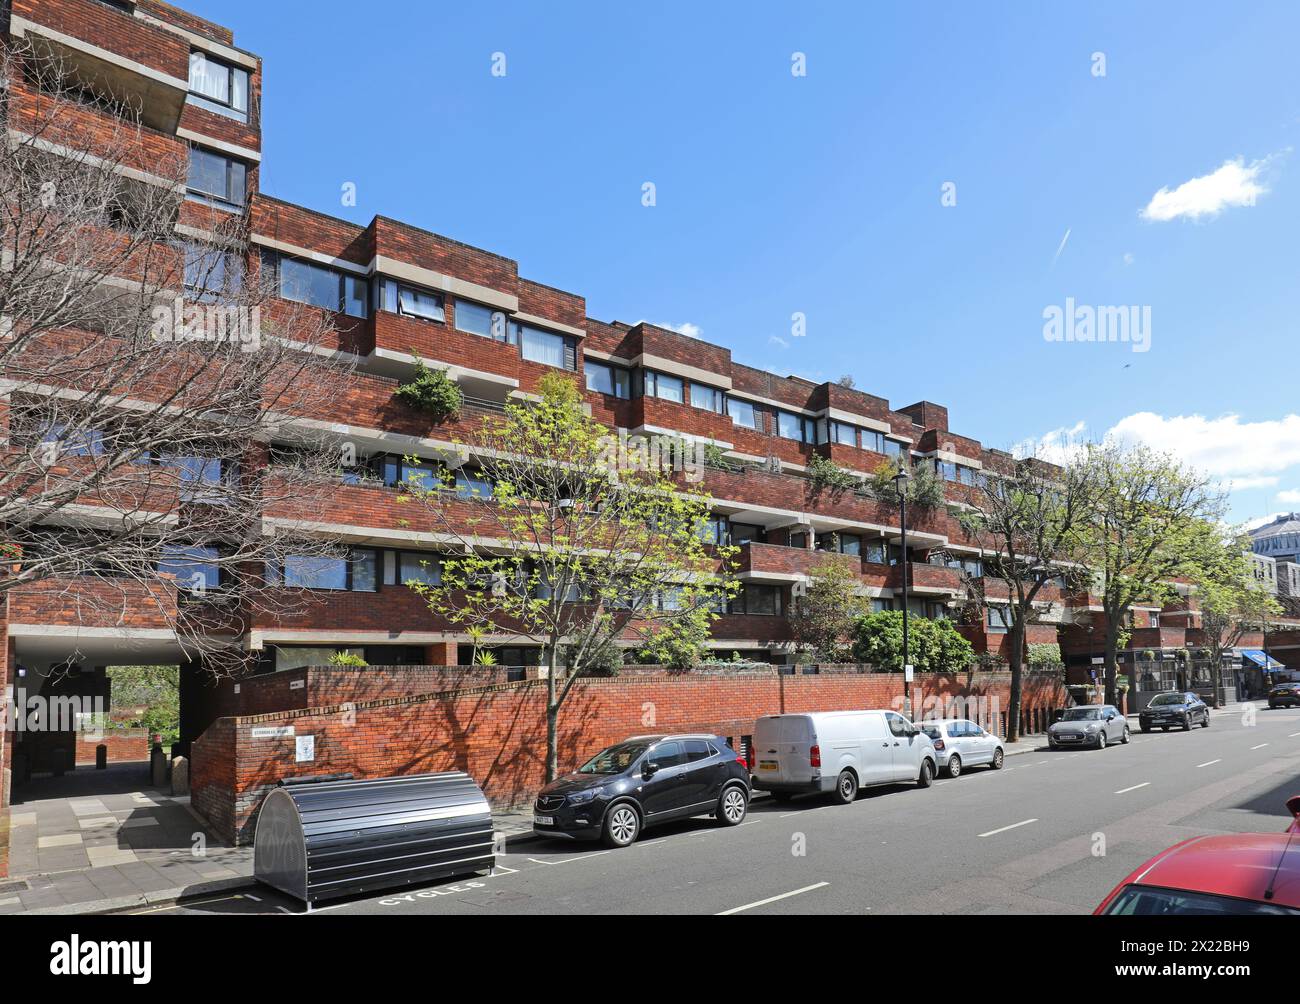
(1147, 527)
(1029, 524)
(823, 616)
(564, 539)
(934, 646)
(1233, 602)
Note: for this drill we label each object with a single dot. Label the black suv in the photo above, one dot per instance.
(1283, 694)
(1179, 710)
(644, 781)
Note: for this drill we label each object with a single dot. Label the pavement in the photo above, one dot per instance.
(1051, 833)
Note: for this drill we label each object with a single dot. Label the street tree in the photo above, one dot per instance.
(1144, 530)
(1029, 524)
(553, 534)
(823, 616)
(934, 646)
(145, 369)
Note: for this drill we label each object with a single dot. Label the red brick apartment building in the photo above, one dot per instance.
(394, 291)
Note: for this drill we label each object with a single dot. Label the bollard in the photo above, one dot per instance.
(101, 756)
(157, 767)
(180, 776)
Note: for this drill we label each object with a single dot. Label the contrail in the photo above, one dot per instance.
(1061, 247)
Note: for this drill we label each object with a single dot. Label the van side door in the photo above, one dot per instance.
(906, 747)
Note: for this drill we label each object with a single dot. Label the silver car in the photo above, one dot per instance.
(1094, 725)
(960, 743)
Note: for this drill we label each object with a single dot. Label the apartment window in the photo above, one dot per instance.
(320, 286)
(892, 447)
(409, 301)
(217, 178)
(760, 600)
(968, 475)
(847, 435)
(796, 427)
(546, 348)
(872, 440)
(880, 606)
(875, 552)
(472, 484)
(218, 86)
(356, 571)
(742, 413)
(413, 566)
(605, 379)
(476, 319)
(946, 470)
(663, 386)
(708, 398)
(745, 533)
(844, 543)
(999, 620)
(400, 471)
(211, 273)
(196, 568)
(714, 530)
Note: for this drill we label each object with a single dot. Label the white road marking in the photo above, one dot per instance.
(1044, 761)
(1259, 747)
(1135, 787)
(1293, 735)
(772, 899)
(1023, 822)
(1210, 762)
(565, 861)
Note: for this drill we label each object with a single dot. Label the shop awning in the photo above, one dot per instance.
(1258, 657)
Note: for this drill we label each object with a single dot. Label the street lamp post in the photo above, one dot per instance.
(900, 481)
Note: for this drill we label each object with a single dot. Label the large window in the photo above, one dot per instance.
(196, 568)
(796, 427)
(847, 435)
(477, 319)
(605, 379)
(706, 397)
(663, 386)
(218, 86)
(545, 347)
(414, 566)
(217, 178)
(409, 301)
(754, 599)
(319, 285)
(844, 543)
(742, 413)
(211, 273)
(357, 571)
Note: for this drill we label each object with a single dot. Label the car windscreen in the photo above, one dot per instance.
(1148, 901)
(1164, 699)
(933, 731)
(1081, 715)
(614, 760)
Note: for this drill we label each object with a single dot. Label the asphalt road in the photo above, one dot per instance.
(1051, 833)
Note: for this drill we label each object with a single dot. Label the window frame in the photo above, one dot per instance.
(207, 101)
(235, 196)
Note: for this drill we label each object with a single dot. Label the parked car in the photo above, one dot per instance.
(1244, 873)
(960, 743)
(1088, 725)
(839, 752)
(642, 782)
(1284, 695)
(1181, 710)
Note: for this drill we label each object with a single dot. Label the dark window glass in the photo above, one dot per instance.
(697, 749)
(667, 755)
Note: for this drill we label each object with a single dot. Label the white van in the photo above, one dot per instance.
(839, 752)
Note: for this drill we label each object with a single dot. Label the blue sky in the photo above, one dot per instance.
(822, 194)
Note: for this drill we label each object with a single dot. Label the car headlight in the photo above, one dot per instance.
(582, 797)
(1091, 728)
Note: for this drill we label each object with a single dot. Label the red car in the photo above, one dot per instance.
(1245, 873)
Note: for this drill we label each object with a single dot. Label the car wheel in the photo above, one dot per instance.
(1187, 723)
(622, 825)
(846, 787)
(732, 806)
(1272, 706)
(1205, 722)
(1101, 739)
(1164, 728)
(1124, 737)
(1146, 728)
(998, 757)
(926, 777)
(954, 766)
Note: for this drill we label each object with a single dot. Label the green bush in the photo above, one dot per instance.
(825, 473)
(348, 659)
(934, 646)
(1048, 654)
(431, 391)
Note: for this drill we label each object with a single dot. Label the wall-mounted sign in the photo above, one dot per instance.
(272, 732)
(305, 749)
(297, 684)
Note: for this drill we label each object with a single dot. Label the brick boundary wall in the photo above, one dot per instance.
(497, 733)
(124, 746)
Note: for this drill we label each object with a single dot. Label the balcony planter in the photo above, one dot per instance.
(11, 554)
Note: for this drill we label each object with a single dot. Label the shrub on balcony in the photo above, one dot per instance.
(923, 488)
(431, 391)
(825, 473)
(1048, 654)
(350, 659)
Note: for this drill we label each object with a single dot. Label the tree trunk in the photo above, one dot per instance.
(1112, 658)
(1016, 660)
(552, 722)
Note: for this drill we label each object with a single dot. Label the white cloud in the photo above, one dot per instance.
(1060, 247)
(1255, 521)
(685, 328)
(1128, 257)
(1233, 184)
(1240, 455)
(774, 340)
